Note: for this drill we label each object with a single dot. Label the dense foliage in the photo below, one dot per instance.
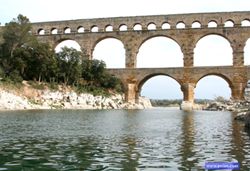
(22, 57)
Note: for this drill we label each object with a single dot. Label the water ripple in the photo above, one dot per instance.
(147, 140)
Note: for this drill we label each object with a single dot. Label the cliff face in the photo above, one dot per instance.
(29, 98)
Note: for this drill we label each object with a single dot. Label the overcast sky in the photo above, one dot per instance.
(158, 87)
(45, 10)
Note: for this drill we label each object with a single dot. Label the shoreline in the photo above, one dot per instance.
(28, 98)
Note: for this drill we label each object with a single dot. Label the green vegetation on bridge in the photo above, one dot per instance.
(22, 57)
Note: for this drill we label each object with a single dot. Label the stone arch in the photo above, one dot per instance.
(137, 27)
(224, 77)
(196, 24)
(245, 23)
(160, 35)
(54, 31)
(123, 27)
(94, 28)
(212, 24)
(219, 75)
(173, 42)
(165, 26)
(70, 41)
(106, 37)
(108, 28)
(41, 31)
(150, 76)
(226, 42)
(151, 26)
(216, 34)
(67, 30)
(180, 25)
(229, 23)
(80, 29)
(111, 63)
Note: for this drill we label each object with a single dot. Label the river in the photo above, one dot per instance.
(152, 140)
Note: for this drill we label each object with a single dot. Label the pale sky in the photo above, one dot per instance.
(167, 50)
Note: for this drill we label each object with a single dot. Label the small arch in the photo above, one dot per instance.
(137, 27)
(180, 25)
(41, 32)
(80, 29)
(212, 85)
(151, 26)
(109, 28)
(94, 28)
(212, 24)
(229, 23)
(161, 81)
(123, 27)
(165, 26)
(196, 24)
(54, 31)
(67, 30)
(245, 23)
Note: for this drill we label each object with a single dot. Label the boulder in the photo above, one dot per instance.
(241, 116)
(247, 121)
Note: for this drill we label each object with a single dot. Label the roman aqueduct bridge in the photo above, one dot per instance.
(184, 29)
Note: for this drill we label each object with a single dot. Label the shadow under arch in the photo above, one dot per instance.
(148, 77)
(115, 45)
(222, 76)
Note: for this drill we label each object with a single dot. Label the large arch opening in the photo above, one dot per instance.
(161, 89)
(69, 44)
(213, 50)
(247, 53)
(111, 51)
(211, 87)
(159, 52)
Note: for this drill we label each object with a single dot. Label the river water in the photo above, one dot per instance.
(152, 140)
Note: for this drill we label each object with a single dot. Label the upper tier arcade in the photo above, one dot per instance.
(157, 22)
(184, 29)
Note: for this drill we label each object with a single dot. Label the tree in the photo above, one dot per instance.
(16, 38)
(93, 70)
(69, 62)
(42, 65)
(95, 73)
(23, 57)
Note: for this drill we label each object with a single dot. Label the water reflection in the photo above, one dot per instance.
(187, 151)
(156, 139)
(240, 144)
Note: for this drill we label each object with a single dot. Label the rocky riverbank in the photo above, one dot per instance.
(242, 108)
(30, 98)
(234, 106)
